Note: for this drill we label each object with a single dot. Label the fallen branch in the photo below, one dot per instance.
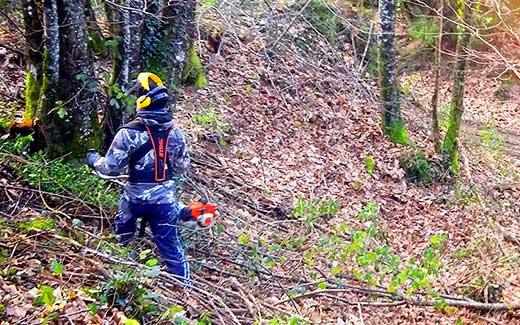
(401, 299)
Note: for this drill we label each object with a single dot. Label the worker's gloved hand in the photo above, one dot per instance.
(185, 214)
(92, 157)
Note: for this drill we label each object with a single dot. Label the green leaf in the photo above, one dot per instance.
(243, 240)
(219, 229)
(152, 262)
(62, 112)
(322, 285)
(175, 309)
(144, 254)
(77, 223)
(335, 270)
(249, 88)
(370, 164)
(81, 77)
(56, 267)
(48, 297)
(94, 308)
(132, 322)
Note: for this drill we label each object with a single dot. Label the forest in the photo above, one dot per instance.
(327, 162)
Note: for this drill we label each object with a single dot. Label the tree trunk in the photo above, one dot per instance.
(72, 126)
(393, 124)
(33, 56)
(450, 149)
(48, 95)
(172, 41)
(437, 71)
(96, 39)
(125, 62)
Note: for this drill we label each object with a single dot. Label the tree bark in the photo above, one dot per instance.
(450, 150)
(437, 71)
(48, 95)
(125, 62)
(33, 56)
(170, 41)
(72, 127)
(393, 124)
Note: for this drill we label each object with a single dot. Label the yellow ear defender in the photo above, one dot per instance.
(143, 80)
(143, 102)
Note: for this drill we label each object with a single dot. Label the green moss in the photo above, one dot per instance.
(324, 18)
(32, 94)
(96, 42)
(94, 140)
(454, 166)
(397, 132)
(416, 167)
(193, 74)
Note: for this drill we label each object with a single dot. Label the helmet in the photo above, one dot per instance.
(151, 91)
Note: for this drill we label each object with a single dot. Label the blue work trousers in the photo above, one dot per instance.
(163, 220)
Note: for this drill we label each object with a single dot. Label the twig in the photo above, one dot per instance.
(290, 25)
(366, 47)
(12, 49)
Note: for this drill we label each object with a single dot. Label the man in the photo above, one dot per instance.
(152, 151)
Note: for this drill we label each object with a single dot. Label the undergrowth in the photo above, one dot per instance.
(56, 176)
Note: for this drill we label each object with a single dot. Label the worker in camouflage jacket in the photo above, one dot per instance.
(151, 150)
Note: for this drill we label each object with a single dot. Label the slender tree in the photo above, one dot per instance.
(33, 56)
(437, 71)
(393, 124)
(450, 148)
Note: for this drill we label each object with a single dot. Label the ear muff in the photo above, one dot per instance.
(144, 77)
(143, 102)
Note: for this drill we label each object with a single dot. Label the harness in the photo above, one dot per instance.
(158, 142)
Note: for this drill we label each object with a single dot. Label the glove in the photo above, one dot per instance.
(92, 157)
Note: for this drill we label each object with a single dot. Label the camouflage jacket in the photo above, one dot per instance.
(126, 141)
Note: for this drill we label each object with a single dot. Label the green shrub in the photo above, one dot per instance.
(416, 167)
(424, 29)
(57, 176)
(324, 19)
(492, 139)
(312, 209)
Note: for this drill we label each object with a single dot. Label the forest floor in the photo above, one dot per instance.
(292, 151)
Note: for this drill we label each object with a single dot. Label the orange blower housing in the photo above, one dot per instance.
(203, 212)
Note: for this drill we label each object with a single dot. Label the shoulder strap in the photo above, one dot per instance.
(134, 125)
(158, 143)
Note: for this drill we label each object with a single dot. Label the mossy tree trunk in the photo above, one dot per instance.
(96, 39)
(72, 126)
(32, 14)
(450, 148)
(125, 54)
(172, 41)
(193, 73)
(393, 124)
